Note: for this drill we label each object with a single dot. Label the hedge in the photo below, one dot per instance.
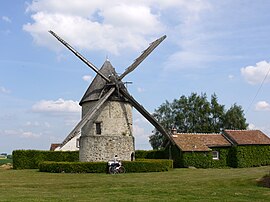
(251, 155)
(151, 154)
(29, 159)
(73, 167)
(102, 167)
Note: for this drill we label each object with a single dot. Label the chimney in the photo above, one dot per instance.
(174, 132)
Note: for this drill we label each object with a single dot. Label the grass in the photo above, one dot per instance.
(175, 185)
(4, 161)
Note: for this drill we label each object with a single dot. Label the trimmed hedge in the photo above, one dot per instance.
(151, 154)
(251, 156)
(102, 167)
(29, 159)
(148, 165)
(73, 167)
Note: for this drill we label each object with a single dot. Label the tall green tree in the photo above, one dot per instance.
(235, 119)
(195, 114)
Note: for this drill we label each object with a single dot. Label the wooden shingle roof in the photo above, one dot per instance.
(247, 137)
(96, 87)
(199, 142)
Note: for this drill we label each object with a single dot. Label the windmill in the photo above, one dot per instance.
(106, 124)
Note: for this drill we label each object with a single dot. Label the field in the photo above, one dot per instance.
(176, 185)
(4, 161)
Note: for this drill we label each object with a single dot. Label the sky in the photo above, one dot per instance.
(219, 47)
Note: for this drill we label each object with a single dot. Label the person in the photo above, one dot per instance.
(116, 162)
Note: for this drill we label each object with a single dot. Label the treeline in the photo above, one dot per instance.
(195, 114)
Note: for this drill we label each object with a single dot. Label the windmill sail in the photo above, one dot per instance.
(146, 114)
(88, 63)
(88, 116)
(144, 54)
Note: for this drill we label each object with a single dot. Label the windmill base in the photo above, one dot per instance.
(103, 148)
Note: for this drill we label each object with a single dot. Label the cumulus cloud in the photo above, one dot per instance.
(112, 26)
(262, 106)
(59, 105)
(256, 74)
(93, 25)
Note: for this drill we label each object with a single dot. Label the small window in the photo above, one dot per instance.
(215, 155)
(78, 142)
(98, 128)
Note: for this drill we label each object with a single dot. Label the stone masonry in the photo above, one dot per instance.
(109, 134)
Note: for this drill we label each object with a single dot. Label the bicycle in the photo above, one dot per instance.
(115, 167)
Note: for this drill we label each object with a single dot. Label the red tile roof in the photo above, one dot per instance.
(199, 142)
(247, 137)
(54, 146)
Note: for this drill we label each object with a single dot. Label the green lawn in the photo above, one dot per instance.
(4, 161)
(176, 185)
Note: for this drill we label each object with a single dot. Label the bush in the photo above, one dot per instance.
(29, 159)
(147, 165)
(251, 156)
(102, 167)
(73, 167)
(151, 154)
(265, 181)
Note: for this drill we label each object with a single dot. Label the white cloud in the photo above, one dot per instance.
(112, 26)
(87, 78)
(256, 74)
(140, 90)
(21, 133)
(262, 106)
(6, 19)
(231, 77)
(37, 124)
(4, 90)
(252, 127)
(59, 105)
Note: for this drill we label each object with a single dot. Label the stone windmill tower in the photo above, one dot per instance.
(106, 124)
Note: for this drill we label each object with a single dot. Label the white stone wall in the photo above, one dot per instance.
(116, 133)
(104, 148)
(115, 118)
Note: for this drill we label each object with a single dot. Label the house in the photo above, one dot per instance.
(3, 156)
(231, 148)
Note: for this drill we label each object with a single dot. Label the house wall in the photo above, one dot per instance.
(71, 145)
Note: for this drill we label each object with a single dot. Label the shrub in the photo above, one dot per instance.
(102, 167)
(252, 155)
(73, 167)
(29, 159)
(264, 181)
(147, 165)
(151, 154)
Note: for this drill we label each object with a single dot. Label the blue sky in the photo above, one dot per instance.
(217, 47)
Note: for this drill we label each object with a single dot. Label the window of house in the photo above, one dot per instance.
(215, 155)
(98, 128)
(78, 142)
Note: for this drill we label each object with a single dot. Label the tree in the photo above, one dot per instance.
(234, 118)
(195, 114)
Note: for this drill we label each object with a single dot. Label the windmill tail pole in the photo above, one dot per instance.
(89, 64)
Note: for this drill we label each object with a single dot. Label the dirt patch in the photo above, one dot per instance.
(264, 181)
(6, 166)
